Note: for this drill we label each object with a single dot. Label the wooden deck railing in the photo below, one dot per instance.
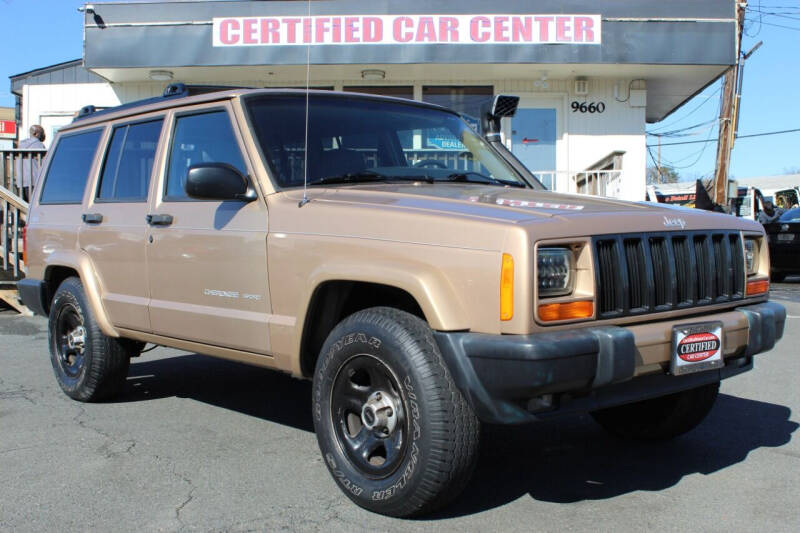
(19, 170)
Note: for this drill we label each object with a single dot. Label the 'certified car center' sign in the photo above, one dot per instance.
(407, 29)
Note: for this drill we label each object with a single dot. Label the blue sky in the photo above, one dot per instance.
(771, 86)
(50, 31)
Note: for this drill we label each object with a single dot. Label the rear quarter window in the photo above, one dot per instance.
(129, 162)
(69, 170)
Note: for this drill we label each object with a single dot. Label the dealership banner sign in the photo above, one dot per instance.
(407, 29)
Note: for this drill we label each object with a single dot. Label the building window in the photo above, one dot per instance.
(466, 100)
(398, 91)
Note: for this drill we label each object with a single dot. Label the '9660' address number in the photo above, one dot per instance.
(586, 107)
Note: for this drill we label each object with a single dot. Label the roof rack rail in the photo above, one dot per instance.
(85, 111)
(173, 90)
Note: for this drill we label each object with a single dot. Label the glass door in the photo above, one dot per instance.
(536, 135)
(533, 141)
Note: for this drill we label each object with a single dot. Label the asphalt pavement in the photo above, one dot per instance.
(197, 443)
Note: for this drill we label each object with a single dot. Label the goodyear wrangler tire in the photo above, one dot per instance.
(89, 366)
(395, 432)
(660, 418)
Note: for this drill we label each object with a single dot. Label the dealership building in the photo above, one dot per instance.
(590, 74)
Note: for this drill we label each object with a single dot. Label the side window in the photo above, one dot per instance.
(69, 170)
(129, 162)
(203, 138)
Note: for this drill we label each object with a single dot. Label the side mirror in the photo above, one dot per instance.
(217, 181)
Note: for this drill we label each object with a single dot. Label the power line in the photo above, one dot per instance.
(699, 153)
(782, 14)
(795, 28)
(690, 113)
(764, 134)
(767, 6)
(760, 20)
(678, 132)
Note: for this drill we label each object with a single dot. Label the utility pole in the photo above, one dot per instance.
(726, 115)
(660, 175)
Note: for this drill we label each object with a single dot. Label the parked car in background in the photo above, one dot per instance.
(782, 191)
(784, 245)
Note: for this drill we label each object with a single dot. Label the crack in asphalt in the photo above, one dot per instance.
(10, 450)
(19, 392)
(189, 497)
(80, 420)
(106, 448)
(108, 453)
(286, 518)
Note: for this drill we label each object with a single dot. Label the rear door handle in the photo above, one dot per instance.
(159, 220)
(92, 218)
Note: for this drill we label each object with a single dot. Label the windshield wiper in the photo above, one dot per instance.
(367, 176)
(477, 177)
(350, 177)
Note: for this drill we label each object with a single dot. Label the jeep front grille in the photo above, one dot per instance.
(652, 272)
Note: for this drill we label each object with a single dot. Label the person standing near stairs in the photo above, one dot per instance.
(28, 171)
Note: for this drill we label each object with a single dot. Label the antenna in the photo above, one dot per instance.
(305, 199)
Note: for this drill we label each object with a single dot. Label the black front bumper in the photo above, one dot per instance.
(511, 379)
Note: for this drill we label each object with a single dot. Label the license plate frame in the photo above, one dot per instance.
(784, 237)
(696, 347)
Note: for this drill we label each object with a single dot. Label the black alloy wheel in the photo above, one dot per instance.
(368, 416)
(70, 340)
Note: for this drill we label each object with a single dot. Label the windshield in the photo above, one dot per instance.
(360, 139)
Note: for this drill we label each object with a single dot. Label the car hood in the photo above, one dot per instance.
(508, 204)
(476, 216)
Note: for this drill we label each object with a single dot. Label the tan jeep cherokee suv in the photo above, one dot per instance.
(425, 281)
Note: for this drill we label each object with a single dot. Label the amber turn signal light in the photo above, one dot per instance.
(566, 311)
(757, 287)
(507, 288)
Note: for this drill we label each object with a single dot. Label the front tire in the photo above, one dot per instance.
(660, 418)
(89, 366)
(777, 277)
(395, 432)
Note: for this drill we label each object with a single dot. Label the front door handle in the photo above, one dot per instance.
(159, 220)
(92, 218)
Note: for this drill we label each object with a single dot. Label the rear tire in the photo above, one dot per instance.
(89, 366)
(395, 432)
(661, 418)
